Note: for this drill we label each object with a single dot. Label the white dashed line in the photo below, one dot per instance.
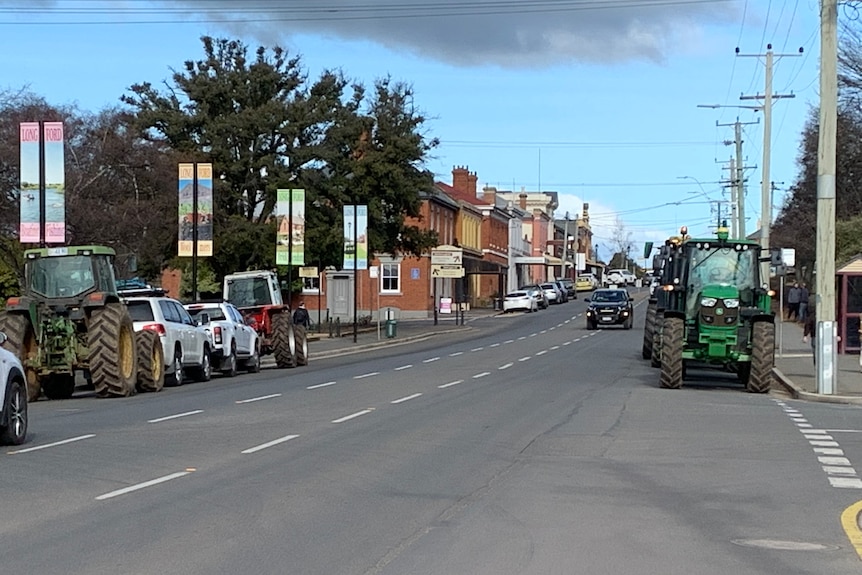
(55, 444)
(494, 345)
(567, 321)
(483, 374)
(364, 375)
(555, 347)
(352, 416)
(319, 385)
(522, 337)
(403, 367)
(143, 485)
(430, 359)
(456, 354)
(509, 341)
(528, 358)
(408, 398)
(543, 352)
(505, 366)
(533, 334)
(450, 384)
(477, 349)
(268, 444)
(544, 331)
(261, 398)
(567, 343)
(186, 414)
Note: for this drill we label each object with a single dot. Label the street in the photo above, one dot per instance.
(527, 445)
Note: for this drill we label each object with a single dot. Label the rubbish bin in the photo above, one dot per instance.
(391, 328)
(498, 304)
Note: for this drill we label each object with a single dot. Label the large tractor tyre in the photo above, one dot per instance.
(113, 361)
(15, 430)
(229, 364)
(151, 361)
(283, 341)
(672, 368)
(301, 335)
(204, 371)
(655, 358)
(21, 340)
(58, 385)
(649, 329)
(762, 357)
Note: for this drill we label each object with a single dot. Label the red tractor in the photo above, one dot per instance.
(258, 296)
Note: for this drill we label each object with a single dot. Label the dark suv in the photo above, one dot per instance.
(610, 307)
(569, 285)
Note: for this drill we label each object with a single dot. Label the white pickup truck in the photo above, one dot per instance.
(233, 341)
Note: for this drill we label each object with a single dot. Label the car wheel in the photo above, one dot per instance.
(204, 371)
(229, 365)
(15, 430)
(252, 364)
(178, 376)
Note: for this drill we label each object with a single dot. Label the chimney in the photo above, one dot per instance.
(471, 183)
(522, 200)
(461, 180)
(489, 194)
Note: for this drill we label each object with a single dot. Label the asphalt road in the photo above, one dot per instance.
(528, 445)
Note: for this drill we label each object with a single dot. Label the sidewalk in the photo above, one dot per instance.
(795, 370)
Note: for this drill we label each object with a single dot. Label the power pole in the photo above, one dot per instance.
(734, 200)
(827, 331)
(739, 175)
(767, 97)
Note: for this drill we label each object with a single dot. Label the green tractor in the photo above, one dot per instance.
(712, 310)
(70, 318)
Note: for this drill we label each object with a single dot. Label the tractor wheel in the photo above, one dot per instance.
(655, 358)
(649, 328)
(762, 357)
(151, 361)
(58, 385)
(301, 335)
(113, 362)
(21, 340)
(671, 354)
(283, 341)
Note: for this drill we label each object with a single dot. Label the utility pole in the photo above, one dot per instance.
(565, 269)
(739, 175)
(767, 97)
(827, 331)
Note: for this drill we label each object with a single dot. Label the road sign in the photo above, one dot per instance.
(446, 271)
(447, 255)
(308, 272)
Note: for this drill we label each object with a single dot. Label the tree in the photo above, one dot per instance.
(622, 242)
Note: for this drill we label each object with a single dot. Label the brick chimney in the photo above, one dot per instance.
(489, 194)
(464, 181)
(471, 183)
(522, 200)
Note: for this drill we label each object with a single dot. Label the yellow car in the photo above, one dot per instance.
(584, 283)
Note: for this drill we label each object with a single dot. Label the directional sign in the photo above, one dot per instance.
(447, 255)
(446, 271)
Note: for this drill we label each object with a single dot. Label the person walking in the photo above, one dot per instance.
(803, 302)
(301, 316)
(793, 301)
(809, 331)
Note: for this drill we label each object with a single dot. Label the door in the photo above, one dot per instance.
(341, 296)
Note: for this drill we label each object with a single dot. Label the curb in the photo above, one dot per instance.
(797, 393)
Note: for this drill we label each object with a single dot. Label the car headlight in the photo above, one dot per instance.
(731, 303)
(708, 302)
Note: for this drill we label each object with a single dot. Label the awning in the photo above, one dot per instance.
(544, 260)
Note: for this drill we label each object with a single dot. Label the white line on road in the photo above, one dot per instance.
(505, 366)
(186, 414)
(824, 443)
(839, 470)
(269, 444)
(528, 358)
(450, 384)
(533, 334)
(456, 354)
(477, 349)
(430, 359)
(494, 345)
(143, 485)
(543, 352)
(836, 431)
(567, 343)
(828, 451)
(801, 425)
(815, 430)
(846, 482)
(819, 436)
(319, 385)
(555, 347)
(364, 375)
(567, 321)
(352, 415)
(522, 337)
(408, 398)
(544, 331)
(261, 398)
(552, 329)
(483, 374)
(834, 460)
(509, 341)
(403, 367)
(55, 444)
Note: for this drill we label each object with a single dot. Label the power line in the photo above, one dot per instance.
(564, 144)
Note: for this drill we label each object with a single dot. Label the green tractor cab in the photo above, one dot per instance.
(712, 310)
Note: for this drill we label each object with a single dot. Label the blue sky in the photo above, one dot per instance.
(596, 100)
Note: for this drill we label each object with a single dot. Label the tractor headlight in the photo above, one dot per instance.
(731, 303)
(708, 302)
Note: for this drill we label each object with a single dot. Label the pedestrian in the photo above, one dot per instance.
(793, 301)
(803, 302)
(301, 316)
(809, 331)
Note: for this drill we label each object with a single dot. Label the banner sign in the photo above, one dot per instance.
(29, 191)
(55, 184)
(355, 237)
(290, 233)
(188, 219)
(205, 210)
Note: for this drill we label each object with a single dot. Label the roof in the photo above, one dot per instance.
(459, 195)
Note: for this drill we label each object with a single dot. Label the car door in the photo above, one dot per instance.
(174, 328)
(241, 332)
(194, 337)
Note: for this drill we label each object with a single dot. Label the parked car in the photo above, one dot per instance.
(552, 292)
(621, 277)
(564, 293)
(13, 397)
(610, 306)
(186, 344)
(539, 293)
(586, 282)
(569, 286)
(520, 300)
(234, 342)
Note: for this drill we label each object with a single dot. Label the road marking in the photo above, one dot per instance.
(429, 360)
(522, 337)
(483, 374)
(824, 443)
(813, 431)
(567, 321)
(509, 341)
(533, 334)
(143, 485)
(261, 398)
(819, 436)
(186, 414)
(506, 366)
(269, 444)
(544, 331)
(850, 522)
(408, 366)
(450, 384)
(576, 340)
(828, 451)
(841, 431)
(834, 460)
(567, 343)
(528, 358)
(456, 354)
(555, 347)
(543, 352)
(403, 399)
(839, 470)
(352, 415)
(801, 425)
(846, 482)
(364, 375)
(319, 385)
(494, 345)
(55, 444)
(477, 349)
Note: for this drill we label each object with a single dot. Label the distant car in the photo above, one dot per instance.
(520, 301)
(537, 290)
(552, 292)
(621, 277)
(564, 293)
(586, 282)
(234, 341)
(569, 285)
(610, 306)
(13, 397)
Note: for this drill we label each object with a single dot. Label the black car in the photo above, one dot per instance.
(610, 307)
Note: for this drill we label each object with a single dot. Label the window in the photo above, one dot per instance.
(390, 277)
(311, 285)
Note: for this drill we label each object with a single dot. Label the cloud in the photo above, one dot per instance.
(504, 33)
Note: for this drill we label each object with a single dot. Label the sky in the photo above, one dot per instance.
(598, 100)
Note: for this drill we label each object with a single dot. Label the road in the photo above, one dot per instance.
(528, 445)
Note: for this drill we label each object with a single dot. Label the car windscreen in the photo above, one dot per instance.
(215, 313)
(141, 310)
(516, 294)
(609, 296)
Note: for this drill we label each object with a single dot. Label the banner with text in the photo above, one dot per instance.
(55, 184)
(205, 210)
(189, 218)
(28, 230)
(290, 233)
(355, 237)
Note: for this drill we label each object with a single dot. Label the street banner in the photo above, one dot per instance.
(290, 233)
(55, 184)
(186, 218)
(205, 210)
(355, 237)
(29, 192)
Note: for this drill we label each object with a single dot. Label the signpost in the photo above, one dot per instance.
(445, 263)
